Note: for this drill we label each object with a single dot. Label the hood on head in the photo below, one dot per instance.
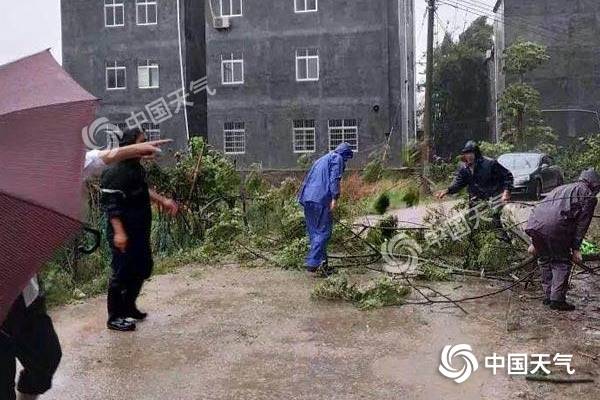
(471, 147)
(345, 151)
(592, 178)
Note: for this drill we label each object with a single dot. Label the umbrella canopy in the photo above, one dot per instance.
(42, 114)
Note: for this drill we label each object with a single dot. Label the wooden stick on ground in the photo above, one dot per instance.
(536, 378)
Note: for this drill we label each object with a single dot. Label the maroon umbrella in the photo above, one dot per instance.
(42, 114)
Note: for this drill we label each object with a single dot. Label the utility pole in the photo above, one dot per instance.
(428, 122)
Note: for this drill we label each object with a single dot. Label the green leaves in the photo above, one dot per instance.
(382, 292)
(522, 122)
(522, 57)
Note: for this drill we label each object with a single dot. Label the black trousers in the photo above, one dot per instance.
(122, 295)
(28, 335)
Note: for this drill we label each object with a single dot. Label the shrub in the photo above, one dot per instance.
(373, 171)
(411, 196)
(382, 203)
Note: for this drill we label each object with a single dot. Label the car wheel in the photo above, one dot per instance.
(537, 194)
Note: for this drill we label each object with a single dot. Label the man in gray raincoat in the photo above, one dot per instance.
(557, 227)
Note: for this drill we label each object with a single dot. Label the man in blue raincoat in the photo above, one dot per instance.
(318, 195)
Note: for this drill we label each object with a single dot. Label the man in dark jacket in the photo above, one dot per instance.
(126, 200)
(318, 195)
(557, 227)
(484, 178)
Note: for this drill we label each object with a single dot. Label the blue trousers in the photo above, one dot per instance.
(319, 224)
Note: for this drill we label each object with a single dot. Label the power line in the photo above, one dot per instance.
(481, 14)
(480, 11)
(485, 8)
(441, 24)
(470, 9)
(422, 25)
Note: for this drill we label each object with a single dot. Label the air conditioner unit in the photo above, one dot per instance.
(221, 22)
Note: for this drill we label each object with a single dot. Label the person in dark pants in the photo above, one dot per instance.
(318, 195)
(28, 335)
(126, 200)
(557, 227)
(484, 178)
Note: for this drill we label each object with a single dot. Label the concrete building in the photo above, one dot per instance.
(301, 76)
(285, 77)
(138, 57)
(569, 83)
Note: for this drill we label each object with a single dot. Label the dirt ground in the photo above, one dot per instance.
(226, 332)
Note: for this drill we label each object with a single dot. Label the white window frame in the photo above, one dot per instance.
(304, 131)
(305, 58)
(237, 132)
(231, 8)
(148, 65)
(298, 10)
(231, 62)
(114, 5)
(152, 131)
(145, 4)
(348, 128)
(115, 67)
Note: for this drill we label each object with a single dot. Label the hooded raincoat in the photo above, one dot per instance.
(321, 185)
(557, 226)
(564, 216)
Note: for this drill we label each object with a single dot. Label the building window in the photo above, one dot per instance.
(146, 12)
(343, 130)
(234, 135)
(148, 75)
(306, 6)
(232, 69)
(304, 136)
(307, 65)
(114, 13)
(152, 131)
(116, 76)
(231, 8)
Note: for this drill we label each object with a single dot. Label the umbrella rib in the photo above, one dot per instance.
(49, 105)
(34, 204)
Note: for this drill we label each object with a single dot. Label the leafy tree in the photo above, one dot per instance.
(522, 122)
(523, 57)
(461, 86)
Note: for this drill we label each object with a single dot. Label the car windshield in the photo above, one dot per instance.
(516, 162)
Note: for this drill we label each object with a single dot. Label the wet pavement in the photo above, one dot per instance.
(225, 332)
(233, 333)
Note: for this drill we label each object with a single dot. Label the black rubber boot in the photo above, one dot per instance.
(121, 325)
(130, 298)
(137, 314)
(326, 271)
(561, 306)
